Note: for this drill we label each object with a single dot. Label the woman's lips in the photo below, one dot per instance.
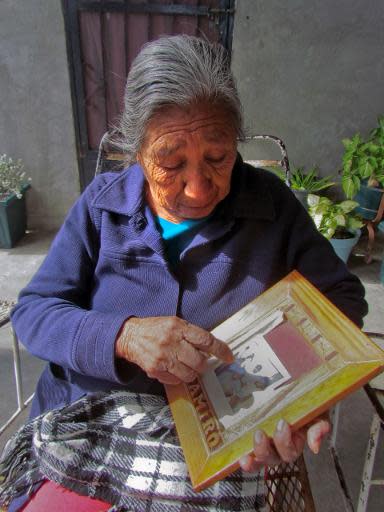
(196, 207)
(199, 206)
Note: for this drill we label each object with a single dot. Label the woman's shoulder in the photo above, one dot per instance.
(116, 191)
(105, 180)
(262, 182)
(258, 175)
(261, 193)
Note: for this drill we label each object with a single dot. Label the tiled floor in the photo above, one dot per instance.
(19, 264)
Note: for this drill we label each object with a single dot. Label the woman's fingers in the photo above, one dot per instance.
(206, 342)
(165, 378)
(263, 450)
(316, 434)
(191, 357)
(167, 346)
(180, 370)
(249, 464)
(288, 445)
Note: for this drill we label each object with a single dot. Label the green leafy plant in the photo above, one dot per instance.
(334, 220)
(363, 161)
(12, 177)
(307, 181)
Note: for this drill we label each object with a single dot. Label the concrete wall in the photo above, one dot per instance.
(35, 105)
(311, 72)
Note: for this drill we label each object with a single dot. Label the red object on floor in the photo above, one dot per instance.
(53, 497)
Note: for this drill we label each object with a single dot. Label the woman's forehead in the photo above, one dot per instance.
(170, 129)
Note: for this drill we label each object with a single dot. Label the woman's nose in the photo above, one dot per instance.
(197, 185)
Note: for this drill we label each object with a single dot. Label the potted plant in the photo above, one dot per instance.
(304, 183)
(13, 185)
(338, 222)
(363, 170)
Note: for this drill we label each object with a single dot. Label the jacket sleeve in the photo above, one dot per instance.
(52, 317)
(313, 256)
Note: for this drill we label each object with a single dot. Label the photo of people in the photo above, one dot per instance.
(240, 382)
(239, 388)
(241, 379)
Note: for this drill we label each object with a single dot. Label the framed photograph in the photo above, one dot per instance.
(296, 355)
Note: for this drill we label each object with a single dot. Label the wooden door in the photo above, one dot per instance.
(104, 36)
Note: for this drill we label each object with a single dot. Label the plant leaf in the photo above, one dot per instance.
(349, 186)
(340, 219)
(313, 200)
(354, 223)
(348, 206)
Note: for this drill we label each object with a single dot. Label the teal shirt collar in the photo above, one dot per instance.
(171, 230)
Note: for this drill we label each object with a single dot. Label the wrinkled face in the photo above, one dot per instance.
(188, 156)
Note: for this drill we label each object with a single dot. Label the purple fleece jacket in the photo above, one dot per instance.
(108, 263)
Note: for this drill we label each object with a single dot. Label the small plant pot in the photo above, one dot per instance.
(13, 220)
(343, 246)
(369, 200)
(302, 196)
(381, 228)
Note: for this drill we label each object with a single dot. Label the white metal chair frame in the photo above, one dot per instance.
(21, 403)
(371, 451)
(377, 421)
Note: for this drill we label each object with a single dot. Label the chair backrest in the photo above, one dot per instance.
(283, 162)
(109, 158)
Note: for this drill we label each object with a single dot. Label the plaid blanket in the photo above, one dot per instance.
(122, 448)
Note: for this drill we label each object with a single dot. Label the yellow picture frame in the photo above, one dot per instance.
(328, 358)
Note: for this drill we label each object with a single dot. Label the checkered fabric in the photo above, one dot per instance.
(122, 448)
(5, 310)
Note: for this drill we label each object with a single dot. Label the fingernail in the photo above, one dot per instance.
(243, 461)
(313, 441)
(224, 353)
(281, 426)
(258, 436)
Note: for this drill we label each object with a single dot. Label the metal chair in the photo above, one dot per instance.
(5, 309)
(288, 487)
(376, 397)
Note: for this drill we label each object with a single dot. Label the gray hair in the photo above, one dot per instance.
(176, 71)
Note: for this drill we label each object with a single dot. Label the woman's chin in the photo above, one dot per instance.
(182, 213)
(196, 212)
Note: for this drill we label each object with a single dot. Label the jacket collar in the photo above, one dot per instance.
(250, 195)
(124, 194)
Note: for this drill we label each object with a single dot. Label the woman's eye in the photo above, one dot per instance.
(216, 160)
(174, 167)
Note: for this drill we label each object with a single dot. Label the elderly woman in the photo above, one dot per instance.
(149, 260)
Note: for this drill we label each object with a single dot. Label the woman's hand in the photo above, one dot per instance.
(286, 446)
(168, 348)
